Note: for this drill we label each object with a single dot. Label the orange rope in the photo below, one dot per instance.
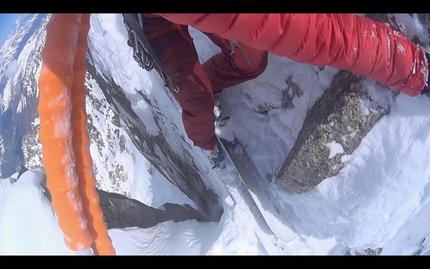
(64, 137)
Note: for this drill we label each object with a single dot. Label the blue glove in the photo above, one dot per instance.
(215, 155)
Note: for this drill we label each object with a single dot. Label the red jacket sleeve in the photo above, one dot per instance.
(345, 41)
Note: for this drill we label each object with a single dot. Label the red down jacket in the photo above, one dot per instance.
(344, 41)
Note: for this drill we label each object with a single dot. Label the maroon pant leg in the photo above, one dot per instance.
(226, 69)
(198, 83)
(179, 58)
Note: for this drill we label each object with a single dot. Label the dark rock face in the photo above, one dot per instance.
(122, 212)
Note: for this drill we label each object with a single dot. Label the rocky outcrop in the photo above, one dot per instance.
(335, 126)
(333, 129)
(32, 149)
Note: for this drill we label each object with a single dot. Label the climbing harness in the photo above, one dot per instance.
(140, 55)
(233, 44)
(143, 53)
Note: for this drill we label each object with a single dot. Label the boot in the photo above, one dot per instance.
(215, 155)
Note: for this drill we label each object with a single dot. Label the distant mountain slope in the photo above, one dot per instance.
(19, 69)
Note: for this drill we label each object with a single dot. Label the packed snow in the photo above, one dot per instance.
(377, 204)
